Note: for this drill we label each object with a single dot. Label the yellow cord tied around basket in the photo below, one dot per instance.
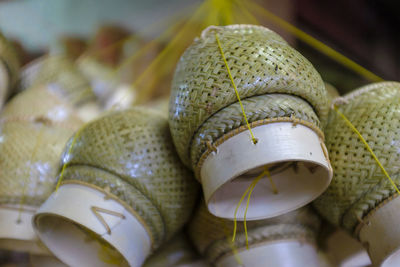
(251, 187)
(351, 126)
(76, 136)
(236, 90)
(248, 192)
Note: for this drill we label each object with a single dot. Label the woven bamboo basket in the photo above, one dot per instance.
(34, 128)
(176, 252)
(9, 66)
(60, 73)
(286, 240)
(102, 77)
(361, 199)
(285, 102)
(124, 193)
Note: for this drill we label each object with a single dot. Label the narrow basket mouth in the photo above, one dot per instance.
(296, 161)
(91, 228)
(83, 246)
(294, 253)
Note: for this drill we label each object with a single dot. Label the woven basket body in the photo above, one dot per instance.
(257, 108)
(285, 102)
(101, 77)
(9, 67)
(261, 62)
(359, 185)
(60, 72)
(130, 153)
(212, 235)
(34, 127)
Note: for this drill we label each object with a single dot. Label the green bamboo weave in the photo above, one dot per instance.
(358, 184)
(34, 128)
(261, 62)
(257, 108)
(130, 153)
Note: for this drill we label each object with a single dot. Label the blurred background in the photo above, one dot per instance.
(366, 31)
(141, 41)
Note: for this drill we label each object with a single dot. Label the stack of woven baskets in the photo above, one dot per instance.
(124, 191)
(249, 118)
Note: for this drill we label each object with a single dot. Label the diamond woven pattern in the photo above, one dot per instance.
(261, 62)
(257, 108)
(358, 184)
(31, 143)
(212, 235)
(134, 147)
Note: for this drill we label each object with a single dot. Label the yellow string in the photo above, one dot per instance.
(232, 244)
(169, 48)
(236, 210)
(347, 121)
(236, 90)
(253, 185)
(78, 133)
(150, 28)
(319, 46)
(147, 46)
(249, 188)
(34, 152)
